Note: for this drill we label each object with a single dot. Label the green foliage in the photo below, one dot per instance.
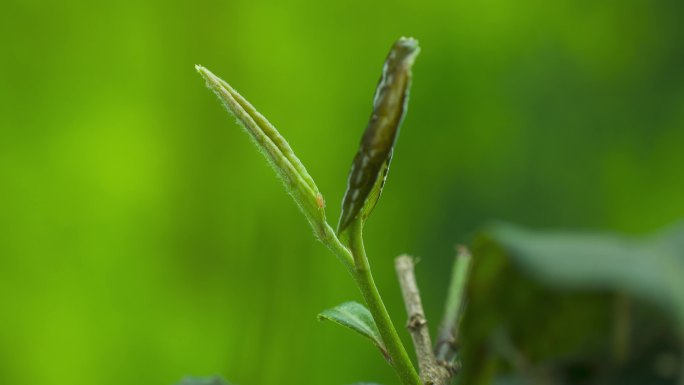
(133, 249)
(356, 317)
(558, 307)
(390, 103)
(651, 268)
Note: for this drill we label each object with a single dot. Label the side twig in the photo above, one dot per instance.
(430, 371)
(447, 337)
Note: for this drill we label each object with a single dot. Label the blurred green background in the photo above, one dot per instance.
(142, 237)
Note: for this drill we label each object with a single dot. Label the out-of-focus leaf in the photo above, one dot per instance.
(215, 380)
(371, 164)
(356, 317)
(672, 238)
(651, 268)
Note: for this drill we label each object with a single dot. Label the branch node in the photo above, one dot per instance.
(415, 322)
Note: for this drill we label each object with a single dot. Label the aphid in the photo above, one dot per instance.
(371, 163)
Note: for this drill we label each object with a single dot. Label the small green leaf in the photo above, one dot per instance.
(371, 164)
(650, 268)
(275, 148)
(356, 317)
(216, 380)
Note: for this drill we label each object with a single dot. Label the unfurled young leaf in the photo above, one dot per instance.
(356, 317)
(203, 381)
(371, 164)
(276, 149)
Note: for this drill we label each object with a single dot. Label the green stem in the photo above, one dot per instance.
(445, 348)
(400, 360)
(331, 241)
(354, 258)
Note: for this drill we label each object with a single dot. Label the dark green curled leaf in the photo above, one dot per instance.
(371, 164)
(356, 317)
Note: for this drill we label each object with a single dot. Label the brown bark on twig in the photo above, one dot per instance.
(431, 372)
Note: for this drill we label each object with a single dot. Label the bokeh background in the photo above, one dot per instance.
(142, 237)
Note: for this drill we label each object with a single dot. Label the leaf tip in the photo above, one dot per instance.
(407, 48)
(212, 80)
(462, 251)
(201, 70)
(409, 42)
